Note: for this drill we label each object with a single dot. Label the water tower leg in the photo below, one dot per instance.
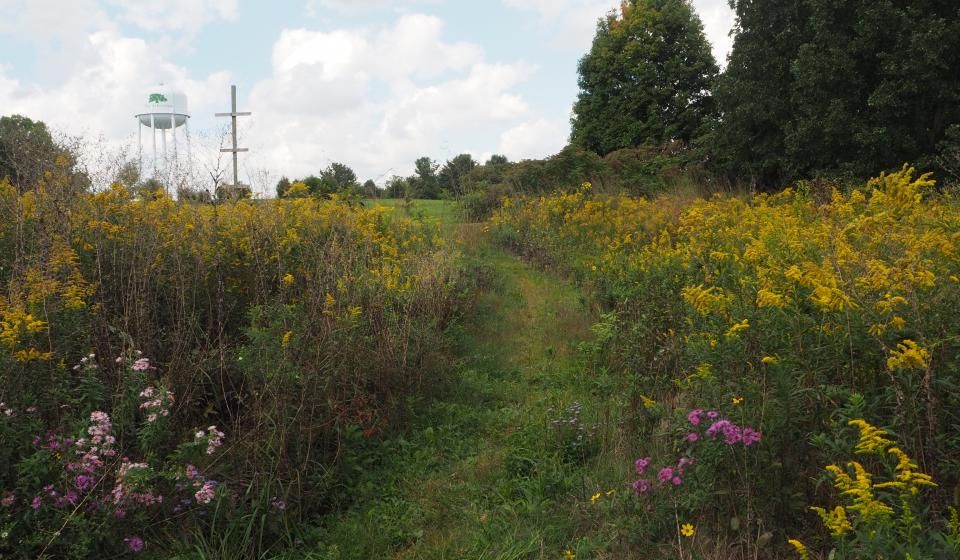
(186, 130)
(153, 136)
(173, 133)
(163, 141)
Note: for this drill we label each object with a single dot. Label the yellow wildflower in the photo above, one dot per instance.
(872, 439)
(836, 521)
(800, 548)
(908, 355)
(569, 555)
(737, 401)
(687, 530)
(767, 298)
(288, 280)
(285, 341)
(735, 330)
(770, 360)
(595, 498)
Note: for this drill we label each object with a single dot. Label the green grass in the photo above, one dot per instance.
(483, 472)
(444, 210)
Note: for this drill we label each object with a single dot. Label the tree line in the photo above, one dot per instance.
(840, 88)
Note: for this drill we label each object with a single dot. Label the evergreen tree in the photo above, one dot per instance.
(754, 94)
(646, 79)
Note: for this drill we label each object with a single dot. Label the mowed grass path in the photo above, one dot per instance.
(481, 473)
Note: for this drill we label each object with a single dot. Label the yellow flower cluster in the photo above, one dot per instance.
(908, 355)
(862, 269)
(62, 259)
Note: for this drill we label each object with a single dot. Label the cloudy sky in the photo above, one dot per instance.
(371, 83)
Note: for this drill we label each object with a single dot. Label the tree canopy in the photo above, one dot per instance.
(646, 79)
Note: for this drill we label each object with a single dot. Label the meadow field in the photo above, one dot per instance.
(582, 375)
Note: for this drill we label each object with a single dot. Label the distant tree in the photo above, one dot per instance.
(28, 151)
(282, 186)
(424, 182)
(397, 187)
(370, 189)
(646, 79)
(232, 193)
(339, 177)
(195, 196)
(497, 159)
(452, 174)
(128, 175)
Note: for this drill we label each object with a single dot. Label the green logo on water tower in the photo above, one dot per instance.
(157, 98)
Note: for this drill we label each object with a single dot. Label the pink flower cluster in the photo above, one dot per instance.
(671, 475)
(213, 436)
(157, 402)
(732, 433)
(141, 364)
(100, 444)
(134, 543)
(124, 493)
(205, 488)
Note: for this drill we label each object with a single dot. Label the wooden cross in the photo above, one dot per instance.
(233, 114)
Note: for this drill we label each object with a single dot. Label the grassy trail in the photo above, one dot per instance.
(479, 475)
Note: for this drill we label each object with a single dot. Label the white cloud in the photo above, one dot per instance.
(534, 139)
(175, 15)
(377, 99)
(103, 96)
(574, 21)
(355, 7)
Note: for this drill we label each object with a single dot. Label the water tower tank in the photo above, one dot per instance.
(163, 106)
(163, 111)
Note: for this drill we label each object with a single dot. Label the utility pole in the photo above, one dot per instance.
(233, 114)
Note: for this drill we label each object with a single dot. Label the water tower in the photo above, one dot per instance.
(164, 112)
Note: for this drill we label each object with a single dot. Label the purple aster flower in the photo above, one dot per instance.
(692, 437)
(641, 486)
(641, 465)
(750, 436)
(134, 543)
(694, 416)
(665, 474)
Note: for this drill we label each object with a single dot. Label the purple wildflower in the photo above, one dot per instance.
(641, 486)
(83, 482)
(692, 437)
(35, 503)
(134, 543)
(694, 416)
(641, 465)
(665, 474)
(750, 436)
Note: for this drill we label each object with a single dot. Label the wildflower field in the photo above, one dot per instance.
(183, 379)
(783, 369)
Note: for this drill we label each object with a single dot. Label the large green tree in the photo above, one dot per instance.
(646, 80)
(876, 84)
(837, 87)
(755, 91)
